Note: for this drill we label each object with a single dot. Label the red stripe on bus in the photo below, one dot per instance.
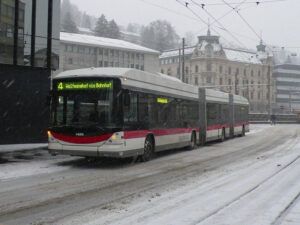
(240, 124)
(216, 127)
(160, 132)
(81, 140)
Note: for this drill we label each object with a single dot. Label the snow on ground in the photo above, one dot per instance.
(15, 170)
(21, 147)
(253, 191)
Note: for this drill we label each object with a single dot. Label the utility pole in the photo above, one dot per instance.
(269, 91)
(235, 83)
(183, 75)
(179, 66)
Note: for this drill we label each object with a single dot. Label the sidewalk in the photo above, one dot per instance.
(21, 147)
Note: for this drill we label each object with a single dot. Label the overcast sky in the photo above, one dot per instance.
(277, 20)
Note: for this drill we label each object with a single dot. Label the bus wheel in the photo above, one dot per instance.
(192, 142)
(223, 135)
(148, 149)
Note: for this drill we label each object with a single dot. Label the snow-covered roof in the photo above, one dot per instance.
(175, 52)
(103, 42)
(236, 55)
(242, 56)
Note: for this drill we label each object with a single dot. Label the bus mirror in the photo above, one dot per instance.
(48, 99)
(126, 99)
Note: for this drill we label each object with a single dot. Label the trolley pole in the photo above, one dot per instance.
(183, 75)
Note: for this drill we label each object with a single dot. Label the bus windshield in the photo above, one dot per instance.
(85, 108)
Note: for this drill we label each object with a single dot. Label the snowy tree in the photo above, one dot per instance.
(113, 30)
(68, 24)
(134, 28)
(101, 28)
(159, 35)
(190, 38)
(86, 21)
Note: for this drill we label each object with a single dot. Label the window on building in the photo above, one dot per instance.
(220, 69)
(70, 48)
(111, 64)
(259, 73)
(138, 55)
(229, 81)
(101, 63)
(142, 67)
(132, 55)
(81, 49)
(196, 69)
(132, 65)
(196, 80)
(220, 81)
(70, 61)
(137, 66)
(105, 63)
(251, 95)
(106, 52)
(208, 79)
(111, 52)
(116, 53)
(245, 72)
(162, 71)
(208, 67)
(252, 73)
(75, 48)
(258, 96)
(237, 71)
(169, 72)
(186, 70)
(229, 70)
(100, 51)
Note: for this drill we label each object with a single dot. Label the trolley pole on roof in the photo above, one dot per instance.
(183, 75)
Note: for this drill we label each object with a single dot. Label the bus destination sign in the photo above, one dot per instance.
(84, 85)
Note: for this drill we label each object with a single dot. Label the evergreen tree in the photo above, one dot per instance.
(86, 21)
(159, 35)
(101, 28)
(113, 30)
(68, 24)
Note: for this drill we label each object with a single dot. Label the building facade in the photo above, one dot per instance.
(82, 51)
(287, 78)
(209, 64)
(29, 46)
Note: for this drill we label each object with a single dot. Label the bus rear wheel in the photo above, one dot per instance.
(148, 149)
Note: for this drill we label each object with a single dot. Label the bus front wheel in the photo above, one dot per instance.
(148, 149)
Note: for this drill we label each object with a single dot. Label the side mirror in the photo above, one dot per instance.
(48, 98)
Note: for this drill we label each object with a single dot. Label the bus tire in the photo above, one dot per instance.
(193, 141)
(148, 149)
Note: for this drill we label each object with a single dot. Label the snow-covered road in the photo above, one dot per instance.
(250, 180)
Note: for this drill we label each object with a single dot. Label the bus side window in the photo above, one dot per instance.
(130, 111)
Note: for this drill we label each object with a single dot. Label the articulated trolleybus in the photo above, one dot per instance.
(121, 112)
